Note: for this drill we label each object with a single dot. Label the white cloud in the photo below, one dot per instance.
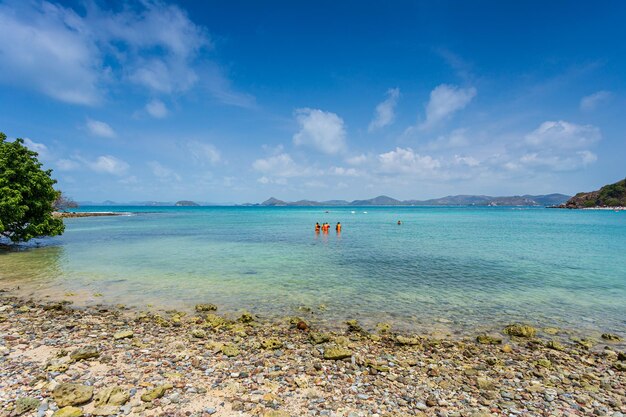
(98, 128)
(456, 139)
(67, 164)
(157, 109)
(281, 165)
(321, 130)
(204, 153)
(108, 164)
(75, 57)
(592, 101)
(406, 161)
(357, 159)
(563, 135)
(469, 161)
(444, 101)
(163, 172)
(385, 111)
(40, 148)
(49, 48)
(344, 172)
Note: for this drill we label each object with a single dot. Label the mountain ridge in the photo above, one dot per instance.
(457, 200)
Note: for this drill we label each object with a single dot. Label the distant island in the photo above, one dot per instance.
(612, 195)
(186, 203)
(457, 200)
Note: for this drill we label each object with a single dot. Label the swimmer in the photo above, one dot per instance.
(317, 227)
(399, 222)
(338, 227)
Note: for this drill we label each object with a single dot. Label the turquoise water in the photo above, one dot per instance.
(446, 268)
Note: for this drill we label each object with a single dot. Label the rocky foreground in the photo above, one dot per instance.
(58, 361)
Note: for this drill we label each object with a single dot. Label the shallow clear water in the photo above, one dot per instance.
(448, 268)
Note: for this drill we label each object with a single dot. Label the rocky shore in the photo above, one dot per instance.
(56, 360)
(72, 214)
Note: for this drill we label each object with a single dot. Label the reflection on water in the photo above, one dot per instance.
(448, 268)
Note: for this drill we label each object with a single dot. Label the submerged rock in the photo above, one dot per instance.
(72, 394)
(383, 327)
(246, 318)
(611, 337)
(520, 330)
(85, 353)
(408, 341)
(336, 353)
(354, 326)
(206, 307)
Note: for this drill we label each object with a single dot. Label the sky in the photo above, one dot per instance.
(242, 100)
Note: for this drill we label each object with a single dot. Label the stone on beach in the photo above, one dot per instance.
(85, 353)
(336, 353)
(72, 394)
(124, 334)
(25, 404)
(68, 411)
(111, 396)
(154, 393)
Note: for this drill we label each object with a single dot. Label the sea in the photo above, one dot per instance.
(448, 270)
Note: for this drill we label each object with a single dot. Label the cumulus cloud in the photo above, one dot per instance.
(321, 130)
(75, 58)
(281, 165)
(444, 101)
(98, 128)
(406, 161)
(385, 111)
(40, 148)
(592, 101)
(157, 109)
(108, 164)
(48, 48)
(563, 135)
(163, 172)
(203, 153)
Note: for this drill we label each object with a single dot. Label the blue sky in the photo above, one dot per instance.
(238, 101)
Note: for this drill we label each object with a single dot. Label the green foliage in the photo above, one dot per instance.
(614, 194)
(589, 203)
(26, 194)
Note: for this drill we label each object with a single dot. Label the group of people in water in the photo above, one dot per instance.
(325, 227)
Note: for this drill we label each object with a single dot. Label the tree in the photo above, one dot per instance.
(63, 202)
(26, 194)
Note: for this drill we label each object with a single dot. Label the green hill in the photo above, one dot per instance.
(612, 195)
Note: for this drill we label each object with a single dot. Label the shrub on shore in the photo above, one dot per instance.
(26, 194)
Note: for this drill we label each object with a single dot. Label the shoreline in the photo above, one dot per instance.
(203, 364)
(74, 214)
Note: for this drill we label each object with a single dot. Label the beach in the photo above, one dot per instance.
(106, 360)
(208, 311)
